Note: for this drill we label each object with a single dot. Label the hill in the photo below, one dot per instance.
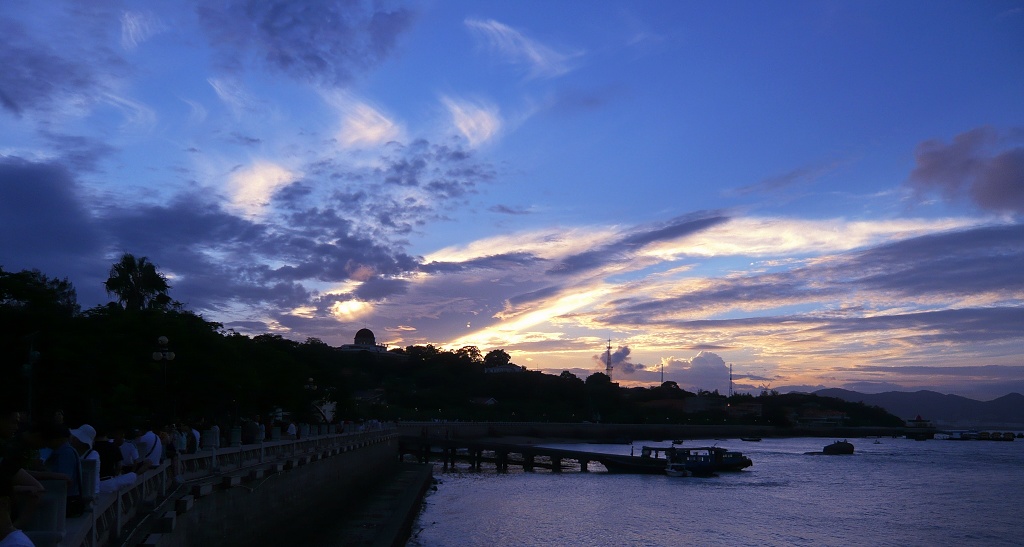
(949, 410)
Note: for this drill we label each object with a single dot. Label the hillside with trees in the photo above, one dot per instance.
(107, 364)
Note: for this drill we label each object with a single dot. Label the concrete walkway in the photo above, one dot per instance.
(385, 517)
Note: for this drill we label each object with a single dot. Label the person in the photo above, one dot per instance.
(131, 461)
(149, 446)
(63, 463)
(170, 447)
(82, 439)
(15, 481)
(190, 439)
(111, 474)
(250, 432)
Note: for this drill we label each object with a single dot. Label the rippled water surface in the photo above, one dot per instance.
(898, 492)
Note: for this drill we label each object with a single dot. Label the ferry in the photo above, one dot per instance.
(699, 460)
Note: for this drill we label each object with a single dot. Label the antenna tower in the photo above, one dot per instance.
(730, 379)
(608, 360)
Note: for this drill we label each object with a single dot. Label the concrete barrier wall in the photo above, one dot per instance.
(284, 507)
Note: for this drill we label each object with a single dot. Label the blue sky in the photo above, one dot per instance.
(817, 193)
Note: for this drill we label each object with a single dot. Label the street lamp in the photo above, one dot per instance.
(162, 355)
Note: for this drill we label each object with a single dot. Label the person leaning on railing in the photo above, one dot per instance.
(15, 483)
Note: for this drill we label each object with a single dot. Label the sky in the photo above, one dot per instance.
(813, 193)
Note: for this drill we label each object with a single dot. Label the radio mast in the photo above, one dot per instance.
(608, 360)
(730, 379)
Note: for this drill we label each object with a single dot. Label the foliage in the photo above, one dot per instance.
(137, 284)
(98, 367)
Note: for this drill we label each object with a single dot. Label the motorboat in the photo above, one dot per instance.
(838, 447)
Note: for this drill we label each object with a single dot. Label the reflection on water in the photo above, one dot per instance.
(899, 492)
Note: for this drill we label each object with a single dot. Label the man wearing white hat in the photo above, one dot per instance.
(82, 439)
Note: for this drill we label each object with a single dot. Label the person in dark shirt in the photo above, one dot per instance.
(16, 485)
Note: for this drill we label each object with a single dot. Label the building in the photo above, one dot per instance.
(364, 342)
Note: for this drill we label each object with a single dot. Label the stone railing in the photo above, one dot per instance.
(110, 514)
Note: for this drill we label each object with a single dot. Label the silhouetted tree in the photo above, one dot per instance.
(137, 284)
(497, 357)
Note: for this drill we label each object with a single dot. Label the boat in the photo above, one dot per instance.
(838, 447)
(751, 439)
(677, 469)
(705, 460)
(700, 460)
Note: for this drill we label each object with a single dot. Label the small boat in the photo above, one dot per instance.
(751, 439)
(677, 469)
(838, 447)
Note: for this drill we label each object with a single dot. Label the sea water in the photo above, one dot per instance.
(889, 492)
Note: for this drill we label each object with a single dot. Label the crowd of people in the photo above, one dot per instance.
(48, 449)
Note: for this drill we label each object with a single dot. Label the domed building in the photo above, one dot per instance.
(364, 342)
(365, 338)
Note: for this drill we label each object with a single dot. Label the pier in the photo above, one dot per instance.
(502, 455)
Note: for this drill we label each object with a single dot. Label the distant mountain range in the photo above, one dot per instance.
(945, 410)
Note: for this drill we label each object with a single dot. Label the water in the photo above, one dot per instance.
(898, 492)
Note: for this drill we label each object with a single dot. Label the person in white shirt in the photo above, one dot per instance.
(150, 448)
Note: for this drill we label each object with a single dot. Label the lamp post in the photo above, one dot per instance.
(163, 354)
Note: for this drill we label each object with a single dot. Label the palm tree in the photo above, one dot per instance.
(137, 284)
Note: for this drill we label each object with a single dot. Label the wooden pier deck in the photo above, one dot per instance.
(475, 452)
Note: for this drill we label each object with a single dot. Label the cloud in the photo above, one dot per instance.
(318, 41)
(507, 210)
(232, 94)
(137, 27)
(251, 188)
(627, 248)
(706, 370)
(361, 124)
(980, 164)
(38, 76)
(477, 122)
(540, 60)
(620, 360)
(802, 175)
(45, 221)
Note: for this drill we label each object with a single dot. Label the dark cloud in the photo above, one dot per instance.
(36, 75)
(506, 210)
(244, 140)
(621, 361)
(78, 153)
(980, 164)
(967, 262)
(447, 172)
(803, 175)
(379, 288)
(625, 248)
(503, 261)
(41, 214)
(322, 41)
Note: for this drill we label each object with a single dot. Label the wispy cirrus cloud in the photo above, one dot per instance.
(541, 61)
(137, 27)
(476, 121)
(360, 123)
(251, 187)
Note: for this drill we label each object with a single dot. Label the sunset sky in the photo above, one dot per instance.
(820, 193)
